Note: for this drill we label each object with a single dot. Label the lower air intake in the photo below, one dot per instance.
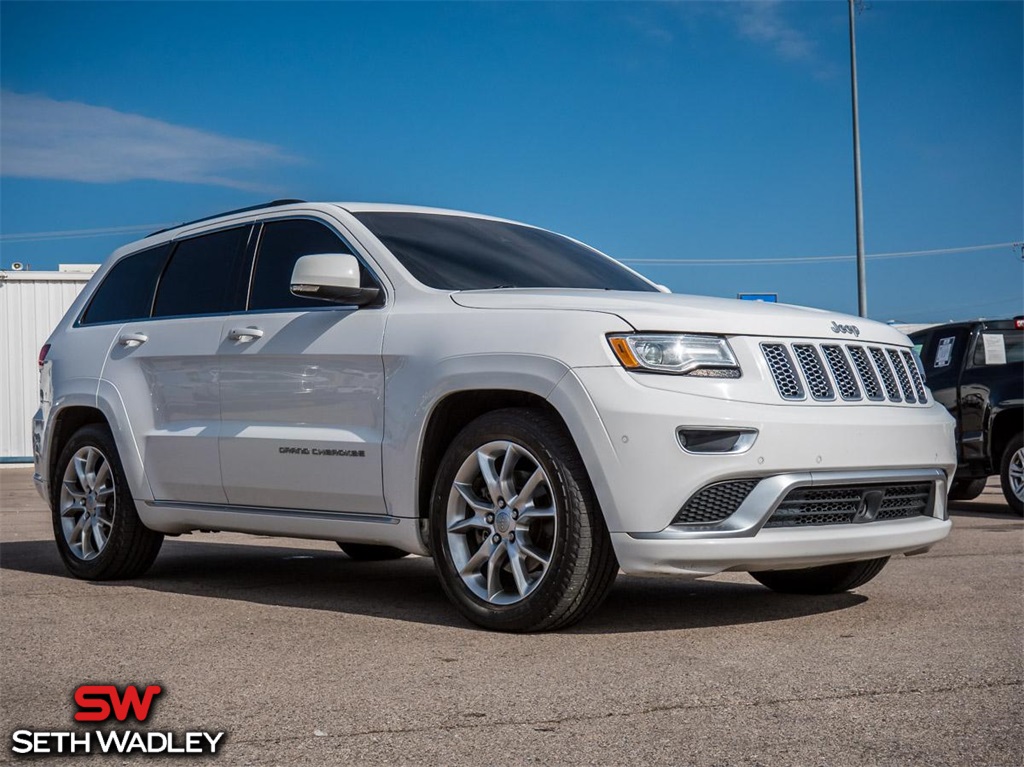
(715, 502)
(847, 504)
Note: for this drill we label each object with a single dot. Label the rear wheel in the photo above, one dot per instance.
(368, 552)
(830, 579)
(518, 539)
(1011, 474)
(97, 528)
(966, 489)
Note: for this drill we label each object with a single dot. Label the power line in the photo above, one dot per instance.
(73, 234)
(808, 259)
(946, 308)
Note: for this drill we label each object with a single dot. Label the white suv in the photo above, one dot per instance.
(529, 411)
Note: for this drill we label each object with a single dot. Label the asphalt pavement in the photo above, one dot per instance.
(303, 656)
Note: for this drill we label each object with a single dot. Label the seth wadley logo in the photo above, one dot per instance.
(101, 703)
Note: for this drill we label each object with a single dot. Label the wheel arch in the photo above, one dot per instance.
(454, 412)
(65, 422)
(1005, 425)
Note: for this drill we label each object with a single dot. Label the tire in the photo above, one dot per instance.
(554, 518)
(830, 579)
(367, 552)
(106, 540)
(966, 489)
(1011, 474)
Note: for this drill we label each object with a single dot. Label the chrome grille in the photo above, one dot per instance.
(715, 502)
(868, 379)
(841, 372)
(841, 504)
(915, 374)
(814, 373)
(901, 374)
(783, 372)
(888, 379)
(824, 371)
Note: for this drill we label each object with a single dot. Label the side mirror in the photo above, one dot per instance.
(330, 277)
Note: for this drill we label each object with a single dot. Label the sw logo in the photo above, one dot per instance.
(96, 702)
(106, 703)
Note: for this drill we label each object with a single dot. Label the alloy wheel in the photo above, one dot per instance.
(501, 522)
(87, 503)
(1016, 473)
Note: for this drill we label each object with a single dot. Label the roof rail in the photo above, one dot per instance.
(271, 204)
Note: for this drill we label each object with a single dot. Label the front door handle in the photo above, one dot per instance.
(245, 335)
(131, 340)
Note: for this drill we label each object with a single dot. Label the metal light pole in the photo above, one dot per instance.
(862, 279)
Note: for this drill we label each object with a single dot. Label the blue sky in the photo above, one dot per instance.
(652, 131)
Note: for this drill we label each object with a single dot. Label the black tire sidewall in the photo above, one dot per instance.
(535, 436)
(124, 518)
(1012, 447)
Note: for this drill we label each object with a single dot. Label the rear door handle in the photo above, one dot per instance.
(245, 335)
(131, 340)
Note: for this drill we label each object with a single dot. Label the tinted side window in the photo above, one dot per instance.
(281, 245)
(127, 291)
(998, 347)
(203, 275)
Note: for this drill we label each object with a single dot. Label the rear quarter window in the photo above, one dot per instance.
(204, 275)
(126, 293)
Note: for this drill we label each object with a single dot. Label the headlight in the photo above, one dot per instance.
(678, 353)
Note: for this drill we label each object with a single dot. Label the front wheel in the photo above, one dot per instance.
(829, 579)
(98, 531)
(519, 541)
(1011, 474)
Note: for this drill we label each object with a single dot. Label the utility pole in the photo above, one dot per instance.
(862, 278)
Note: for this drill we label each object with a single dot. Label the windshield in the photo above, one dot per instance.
(463, 253)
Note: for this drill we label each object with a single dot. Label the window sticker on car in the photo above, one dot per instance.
(944, 353)
(995, 348)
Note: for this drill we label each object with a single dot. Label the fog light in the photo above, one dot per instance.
(715, 440)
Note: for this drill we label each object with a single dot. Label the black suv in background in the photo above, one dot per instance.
(976, 369)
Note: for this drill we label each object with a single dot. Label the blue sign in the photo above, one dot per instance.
(768, 298)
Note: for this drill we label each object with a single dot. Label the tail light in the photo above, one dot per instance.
(42, 354)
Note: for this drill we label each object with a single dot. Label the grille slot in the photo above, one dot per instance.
(814, 372)
(838, 505)
(901, 374)
(781, 365)
(715, 502)
(888, 379)
(868, 379)
(841, 372)
(915, 374)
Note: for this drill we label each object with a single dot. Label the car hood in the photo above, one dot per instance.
(694, 314)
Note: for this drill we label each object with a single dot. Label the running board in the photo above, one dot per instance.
(381, 529)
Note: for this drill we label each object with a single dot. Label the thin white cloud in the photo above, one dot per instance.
(764, 22)
(67, 140)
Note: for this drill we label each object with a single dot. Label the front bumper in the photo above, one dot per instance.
(777, 549)
(627, 434)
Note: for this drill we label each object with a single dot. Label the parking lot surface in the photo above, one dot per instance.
(304, 656)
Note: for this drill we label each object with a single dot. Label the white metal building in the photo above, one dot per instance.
(31, 305)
